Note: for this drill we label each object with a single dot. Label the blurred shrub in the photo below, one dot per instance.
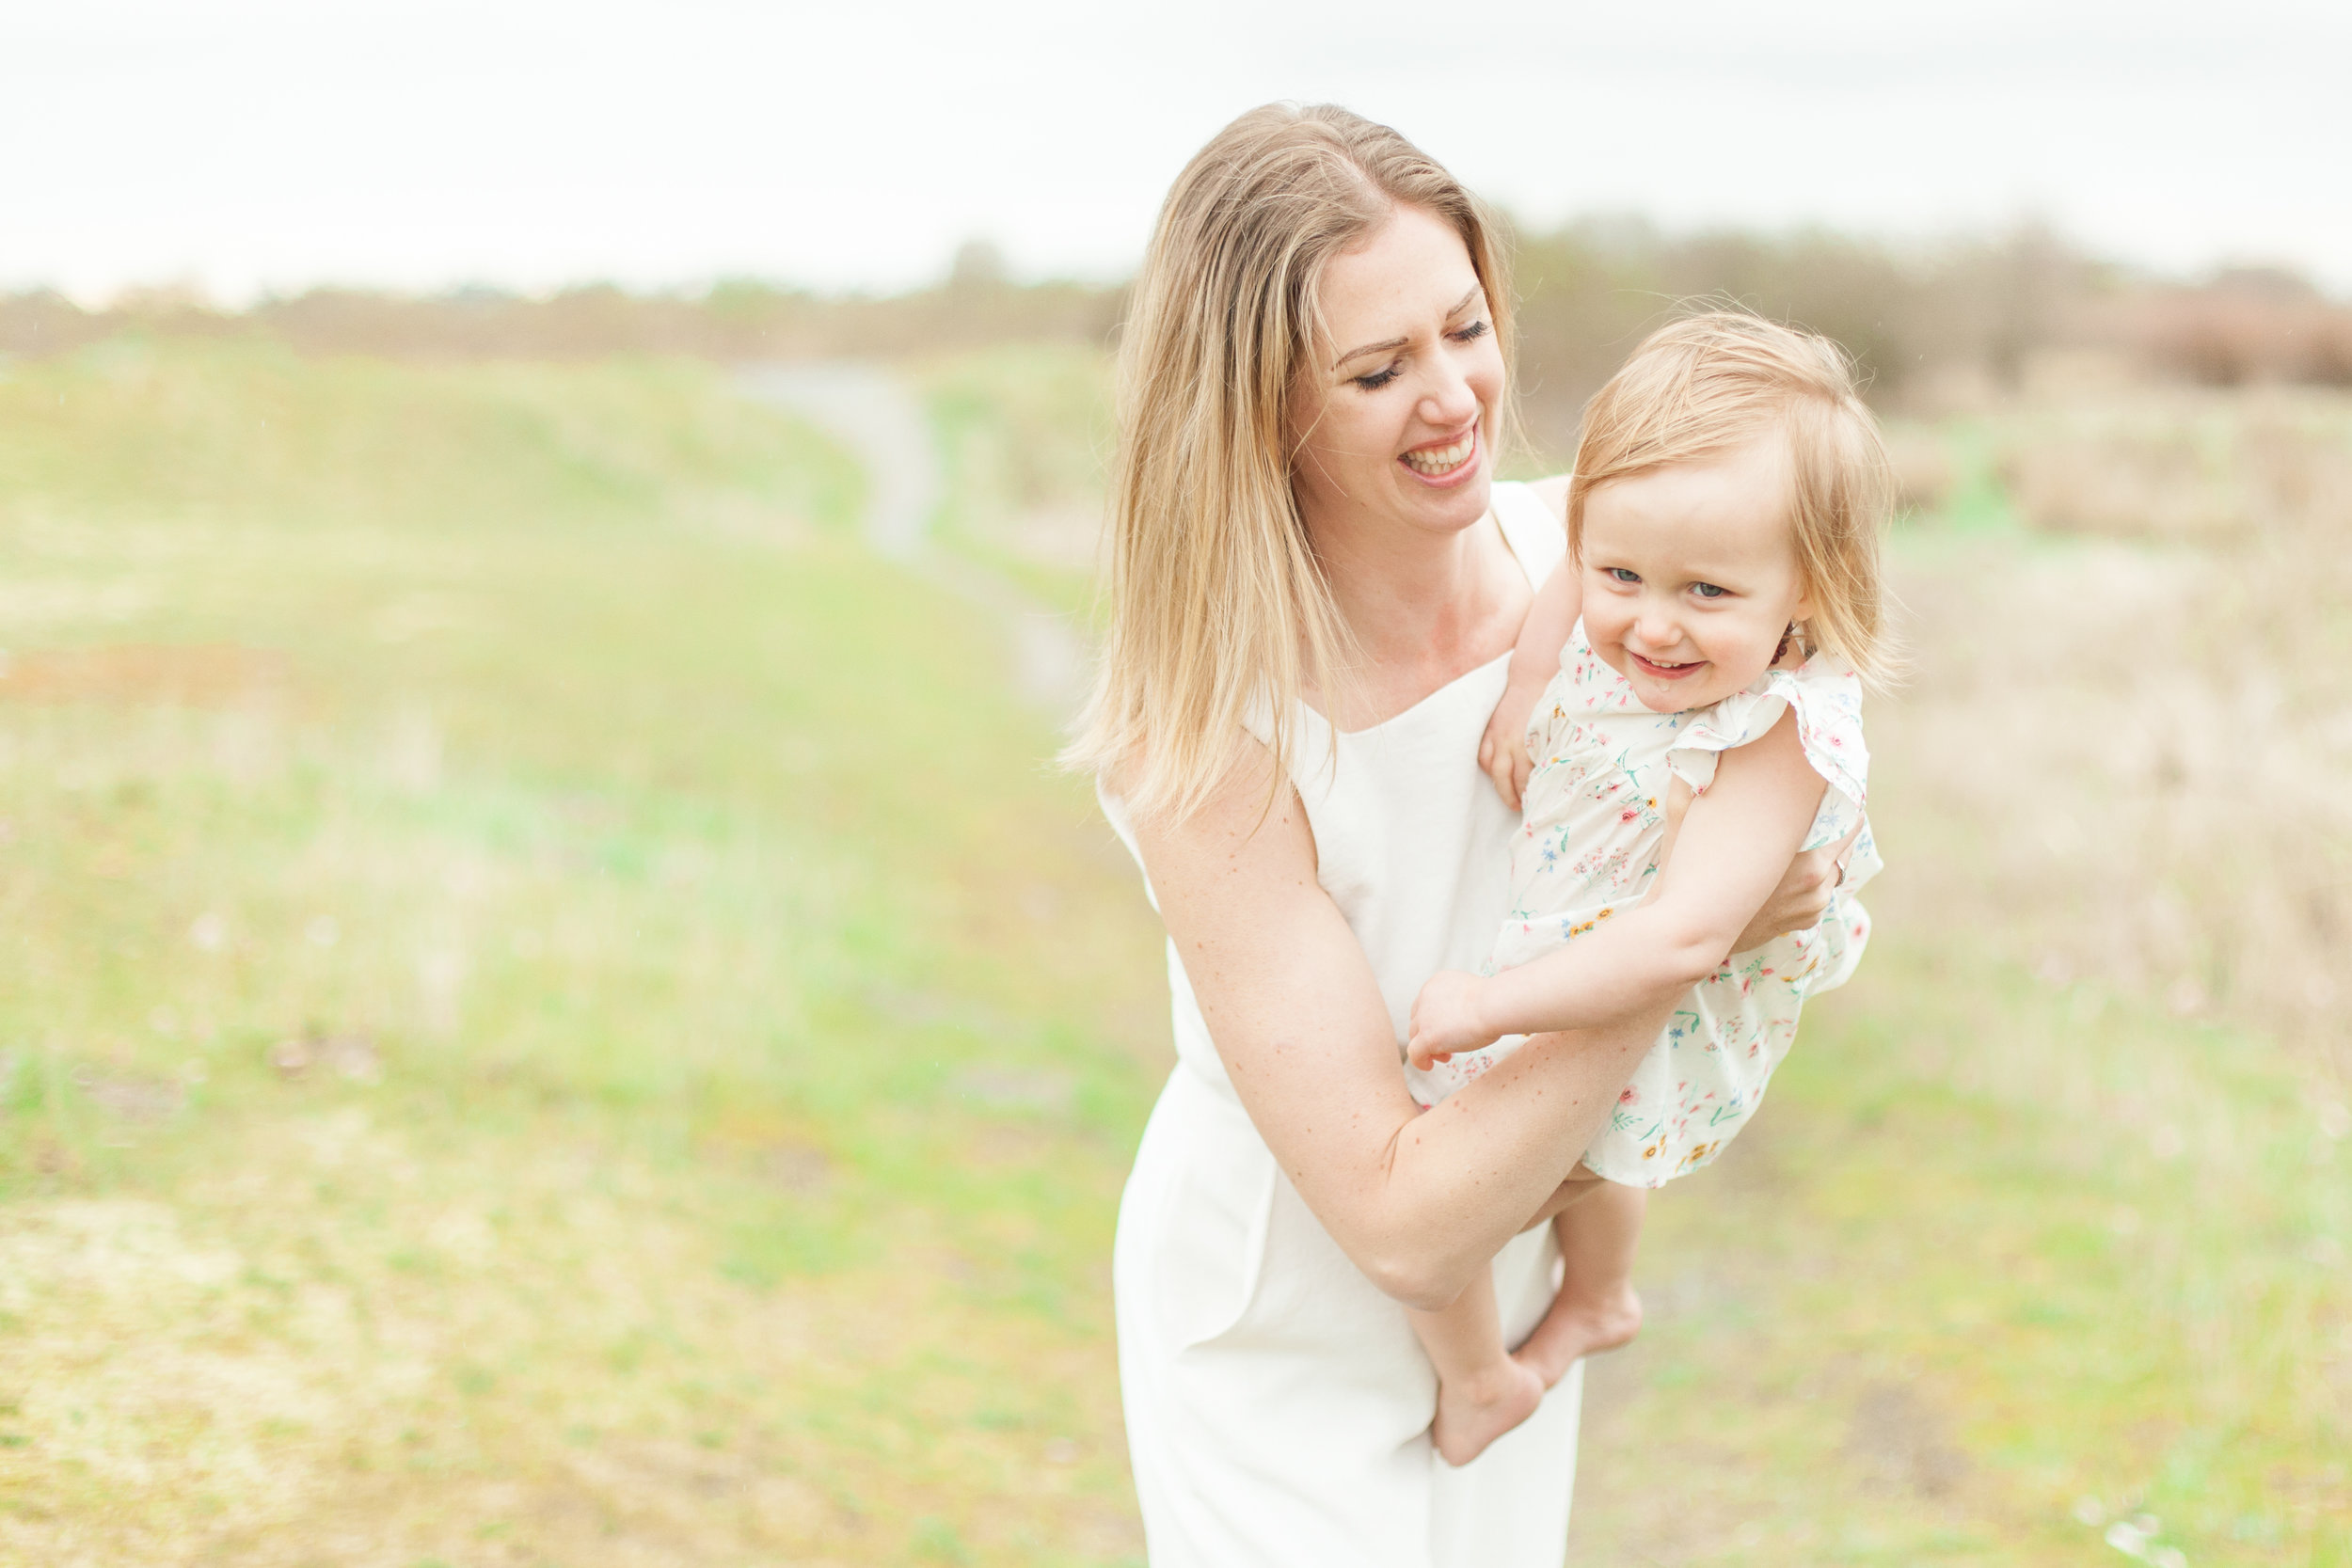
(1970, 314)
(1592, 289)
(2248, 324)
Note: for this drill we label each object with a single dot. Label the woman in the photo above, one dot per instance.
(1315, 589)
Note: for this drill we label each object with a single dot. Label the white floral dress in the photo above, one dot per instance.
(1588, 850)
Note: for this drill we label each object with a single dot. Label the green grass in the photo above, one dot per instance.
(757, 1028)
(2003, 1252)
(1024, 434)
(553, 1012)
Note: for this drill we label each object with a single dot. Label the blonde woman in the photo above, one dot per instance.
(1315, 590)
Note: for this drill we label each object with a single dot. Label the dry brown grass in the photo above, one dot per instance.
(2137, 712)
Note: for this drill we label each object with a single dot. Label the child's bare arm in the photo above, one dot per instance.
(1732, 851)
(1535, 659)
(1806, 889)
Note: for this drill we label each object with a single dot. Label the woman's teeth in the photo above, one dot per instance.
(1434, 461)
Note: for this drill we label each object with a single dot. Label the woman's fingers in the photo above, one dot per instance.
(1502, 757)
(1798, 903)
(1841, 855)
(1496, 763)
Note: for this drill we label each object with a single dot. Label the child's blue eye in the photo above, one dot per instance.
(1625, 574)
(1709, 590)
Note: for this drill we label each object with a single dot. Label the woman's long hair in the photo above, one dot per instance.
(1219, 606)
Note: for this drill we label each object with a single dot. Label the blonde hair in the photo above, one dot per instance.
(1219, 606)
(1710, 383)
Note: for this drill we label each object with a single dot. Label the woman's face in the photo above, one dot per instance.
(1393, 415)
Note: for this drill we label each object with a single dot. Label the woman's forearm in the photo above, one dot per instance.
(1418, 1201)
(1463, 1178)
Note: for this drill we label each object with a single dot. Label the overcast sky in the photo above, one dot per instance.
(271, 144)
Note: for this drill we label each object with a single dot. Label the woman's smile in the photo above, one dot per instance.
(1445, 462)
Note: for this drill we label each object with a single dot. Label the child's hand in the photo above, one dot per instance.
(1446, 1019)
(1502, 750)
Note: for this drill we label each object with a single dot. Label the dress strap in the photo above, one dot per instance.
(1530, 529)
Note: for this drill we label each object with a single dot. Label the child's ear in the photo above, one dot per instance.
(1803, 610)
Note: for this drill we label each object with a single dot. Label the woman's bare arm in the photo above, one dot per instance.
(1418, 1202)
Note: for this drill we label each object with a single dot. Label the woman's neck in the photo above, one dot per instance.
(1424, 609)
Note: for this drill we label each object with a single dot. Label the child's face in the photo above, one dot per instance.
(1691, 575)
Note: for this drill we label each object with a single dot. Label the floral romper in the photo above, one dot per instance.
(1588, 850)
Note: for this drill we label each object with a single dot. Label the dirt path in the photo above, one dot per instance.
(871, 410)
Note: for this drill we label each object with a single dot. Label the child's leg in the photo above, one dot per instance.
(1482, 1392)
(1596, 1309)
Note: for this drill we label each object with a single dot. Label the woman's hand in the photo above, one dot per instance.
(1502, 750)
(1803, 893)
(1797, 905)
(1445, 1018)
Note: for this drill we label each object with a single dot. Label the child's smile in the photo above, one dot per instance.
(1691, 575)
(1659, 670)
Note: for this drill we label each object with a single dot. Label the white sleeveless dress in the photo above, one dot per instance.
(1278, 1404)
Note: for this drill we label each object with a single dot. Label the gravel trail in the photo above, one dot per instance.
(872, 411)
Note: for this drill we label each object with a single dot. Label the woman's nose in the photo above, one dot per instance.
(1450, 398)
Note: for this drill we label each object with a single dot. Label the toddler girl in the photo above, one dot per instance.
(1711, 627)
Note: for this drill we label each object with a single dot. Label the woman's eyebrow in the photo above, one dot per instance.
(1391, 344)
(1383, 347)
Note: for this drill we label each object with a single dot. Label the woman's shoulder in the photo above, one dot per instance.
(1530, 516)
(1553, 492)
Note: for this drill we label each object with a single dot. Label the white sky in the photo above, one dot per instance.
(252, 144)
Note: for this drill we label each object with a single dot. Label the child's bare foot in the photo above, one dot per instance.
(1472, 1412)
(1579, 1324)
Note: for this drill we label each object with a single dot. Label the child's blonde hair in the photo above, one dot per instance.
(1708, 384)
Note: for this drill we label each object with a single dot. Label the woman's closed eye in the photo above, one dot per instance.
(1396, 368)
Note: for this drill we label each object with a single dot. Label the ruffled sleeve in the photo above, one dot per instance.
(1826, 696)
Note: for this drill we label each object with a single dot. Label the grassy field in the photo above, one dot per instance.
(552, 1015)
(555, 1015)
